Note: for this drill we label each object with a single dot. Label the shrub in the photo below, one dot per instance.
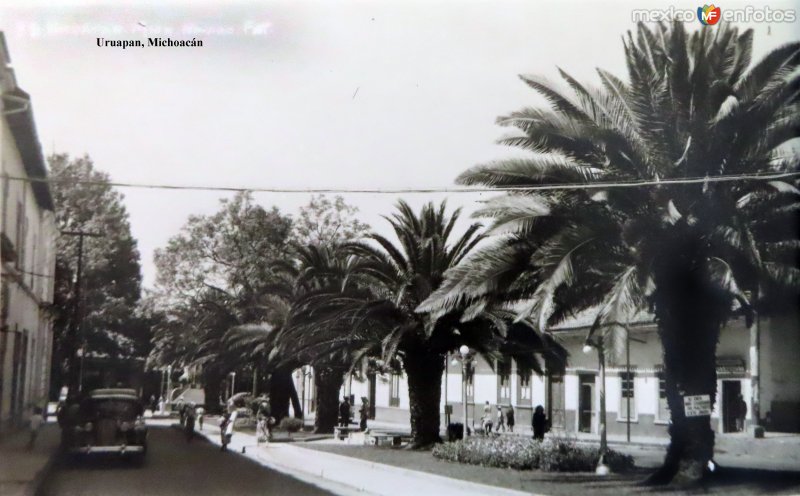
(555, 454)
(290, 424)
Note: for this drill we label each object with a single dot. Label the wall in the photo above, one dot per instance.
(27, 285)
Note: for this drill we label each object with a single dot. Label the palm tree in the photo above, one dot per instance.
(292, 335)
(370, 309)
(690, 244)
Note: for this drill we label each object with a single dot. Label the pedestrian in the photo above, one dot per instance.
(35, 423)
(201, 414)
(487, 418)
(501, 420)
(264, 423)
(190, 415)
(226, 429)
(153, 404)
(510, 418)
(344, 413)
(161, 405)
(741, 413)
(364, 413)
(539, 423)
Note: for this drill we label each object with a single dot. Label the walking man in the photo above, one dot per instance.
(344, 413)
(741, 413)
(501, 420)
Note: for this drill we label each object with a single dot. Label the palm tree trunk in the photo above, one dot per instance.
(690, 314)
(424, 370)
(281, 393)
(327, 383)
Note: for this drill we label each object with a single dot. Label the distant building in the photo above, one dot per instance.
(27, 255)
(571, 399)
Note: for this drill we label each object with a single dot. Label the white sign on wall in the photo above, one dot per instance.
(697, 406)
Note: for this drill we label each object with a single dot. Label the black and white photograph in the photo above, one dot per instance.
(399, 247)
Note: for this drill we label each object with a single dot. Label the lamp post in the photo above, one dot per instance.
(602, 468)
(168, 400)
(464, 352)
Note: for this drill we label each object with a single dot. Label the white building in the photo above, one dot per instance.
(571, 399)
(27, 254)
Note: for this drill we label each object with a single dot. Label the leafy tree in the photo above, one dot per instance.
(216, 274)
(111, 274)
(693, 108)
(325, 222)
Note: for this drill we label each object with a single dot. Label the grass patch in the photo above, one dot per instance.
(555, 454)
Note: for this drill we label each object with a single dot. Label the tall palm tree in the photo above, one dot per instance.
(690, 251)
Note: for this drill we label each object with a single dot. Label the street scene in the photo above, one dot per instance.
(390, 248)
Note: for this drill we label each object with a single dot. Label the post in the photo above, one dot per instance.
(464, 391)
(755, 351)
(74, 376)
(255, 379)
(446, 366)
(628, 371)
(233, 383)
(167, 399)
(603, 440)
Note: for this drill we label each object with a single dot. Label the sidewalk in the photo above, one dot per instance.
(21, 470)
(346, 475)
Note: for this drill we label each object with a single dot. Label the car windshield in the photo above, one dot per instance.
(116, 408)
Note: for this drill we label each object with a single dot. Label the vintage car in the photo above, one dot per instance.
(106, 421)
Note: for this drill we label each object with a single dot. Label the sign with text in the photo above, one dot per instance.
(697, 406)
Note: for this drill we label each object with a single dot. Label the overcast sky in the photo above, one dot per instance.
(382, 94)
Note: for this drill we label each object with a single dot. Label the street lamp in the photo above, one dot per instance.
(602, 468)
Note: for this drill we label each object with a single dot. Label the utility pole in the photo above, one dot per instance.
(74, 379)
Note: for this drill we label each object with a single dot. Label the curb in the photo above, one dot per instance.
(309, 478)
(32, 488)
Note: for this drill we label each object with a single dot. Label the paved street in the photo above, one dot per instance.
(173, 467)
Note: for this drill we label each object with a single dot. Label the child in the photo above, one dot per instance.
(35, 422)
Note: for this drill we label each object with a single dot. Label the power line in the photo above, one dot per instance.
(539, 187)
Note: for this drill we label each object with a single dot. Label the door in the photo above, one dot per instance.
(586, 403)
(730, 396)
(372, 396)
(555, 407)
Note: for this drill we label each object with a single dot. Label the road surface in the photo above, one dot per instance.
(173, 467)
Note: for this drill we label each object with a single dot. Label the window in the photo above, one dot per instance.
(503, 382)
(394, 391)
(663, 407)
(627, 390)
(523, 386)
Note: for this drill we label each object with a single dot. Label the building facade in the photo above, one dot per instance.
(758, 363)
(27, 256)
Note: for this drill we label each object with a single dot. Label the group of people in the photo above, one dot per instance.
(503, 420)
(344, 413)
(499, 421)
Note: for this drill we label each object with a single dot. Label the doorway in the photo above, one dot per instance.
(586, 402)
(730, 399)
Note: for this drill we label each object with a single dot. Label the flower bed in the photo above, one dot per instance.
(555, 454)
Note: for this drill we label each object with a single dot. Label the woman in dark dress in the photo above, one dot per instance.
(539, 423)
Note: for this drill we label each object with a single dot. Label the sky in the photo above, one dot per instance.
(299, 94)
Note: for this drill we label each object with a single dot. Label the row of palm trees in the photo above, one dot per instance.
(662, 193)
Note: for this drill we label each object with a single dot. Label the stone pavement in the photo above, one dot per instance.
(22, 470)
(347, 475)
